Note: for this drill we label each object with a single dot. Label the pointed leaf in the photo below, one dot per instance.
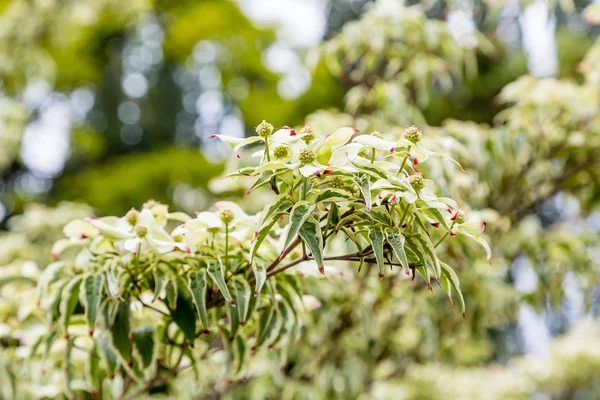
(311, 233)
(396, 241)
(91, 290)
(183, 315)
(68, 302)
(242, 298)
(449, 273)
(121, 330)
(215, 271)
(300, 213)
(145, 344)
(260, 275)
(198, 287)
(364, 184)
(376, 240)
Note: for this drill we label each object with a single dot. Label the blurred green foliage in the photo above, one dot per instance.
(134, 178)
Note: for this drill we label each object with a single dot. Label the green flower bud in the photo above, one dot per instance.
(141, 231)
(132, 216)
(377, 134)
(413, 134)
(226, 216)
(307, 156)
(417, 182)
(309, 134)
(264, 129)
(337, 183)
(459, 217)
(281, 151)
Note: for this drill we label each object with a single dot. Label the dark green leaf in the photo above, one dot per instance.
(121, 330)
(145, 344)
(396, 241)
(183, 315)
(215, 271)
(198, 285)
(376, 240)
(311, 233)
(68, 302)
(91, 290)
(300, 213)
(242, 298)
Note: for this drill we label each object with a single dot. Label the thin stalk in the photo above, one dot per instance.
(444, 237)
(372, 155)
(226, 245)
(404, 215)
(404, 161)
(267, 149)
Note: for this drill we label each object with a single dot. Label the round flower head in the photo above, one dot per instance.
(264, 129)
(377, 134)
(309, 134)
(413, 134)
(178, 238)
(337, 183)
(459, 217)
(307, 156)
(417, 182)
(226, 216)
(281, 151)
(141, 231)
(132, 216)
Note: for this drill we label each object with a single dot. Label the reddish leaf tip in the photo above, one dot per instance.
(322, 270)
(381, 276)
(212, 136)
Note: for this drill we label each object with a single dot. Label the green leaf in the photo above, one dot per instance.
(215, 271)
(112, 284)
(333, 195)
(242, 298)
(279, 203)
(262, 234)
(91, 290)
(260, 275)
(449, 273)
(68, 302)
(311, 233)
(225, 339)
(93, 368)
(364, 184)
(145, 344)
(369, 168)
(121, 330)
(300, 213)
(55, 299)
(380, 215)
(198, 286)
(172, 292)
(183, 315)
(427, 246)
(50, 275)
(108, 356)
(396, 240)
(437, 216)
(160, 282)
(240, 353)
(376, 240)
(234, 321)
(264, 322)
(66, 365)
